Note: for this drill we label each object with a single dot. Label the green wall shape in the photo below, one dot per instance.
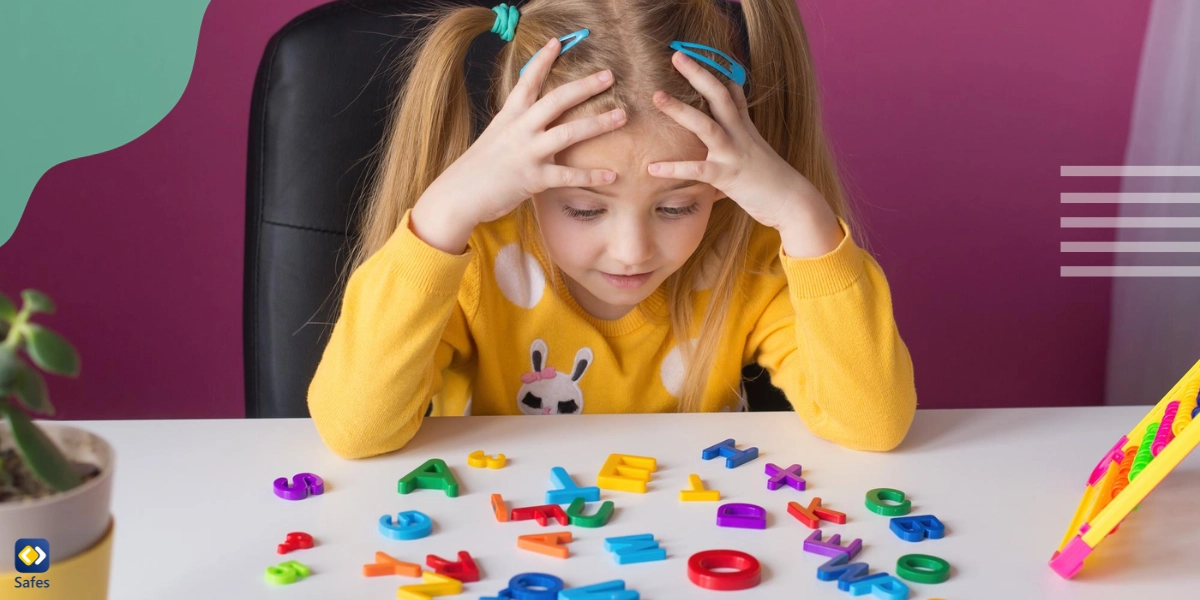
(81, 77)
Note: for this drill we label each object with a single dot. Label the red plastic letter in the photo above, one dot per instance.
(463, 569)
(541, 514)
(746, 574)
(296, 540)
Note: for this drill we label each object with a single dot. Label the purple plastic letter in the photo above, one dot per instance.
(832, 546)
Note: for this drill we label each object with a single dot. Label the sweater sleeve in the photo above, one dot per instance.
(403, 320)
(829, 340)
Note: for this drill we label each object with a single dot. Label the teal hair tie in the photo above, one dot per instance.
(506, 21)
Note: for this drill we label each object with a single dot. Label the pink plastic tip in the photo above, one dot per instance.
(1069, 561)
(1114, 454)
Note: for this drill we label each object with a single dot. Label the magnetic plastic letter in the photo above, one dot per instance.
(409, 525)
(839, 568)
(286, 572)
(499, 508)
(702, 571)
(303, 485)
(550, 544)
(625, 473)
(600, 519)
(740, 514)
(480, 460)
(876, 504)
(296, 540)
(696, 491)
(915, 529)
(813, 514)
(728, 450)
(923, 568)
(433, 475)
(432, 585)
(531, 586)
(565, 489)
(881, 585)
(780, 477)
(542, 514)
(630, 549)
(608, 590)
(386, 565)
(463, 569)
(832, 546)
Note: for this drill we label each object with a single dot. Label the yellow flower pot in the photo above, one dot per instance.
(77, 526)
(81, 577)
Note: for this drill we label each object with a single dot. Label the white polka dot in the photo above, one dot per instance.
(672, 371)
(519, 276)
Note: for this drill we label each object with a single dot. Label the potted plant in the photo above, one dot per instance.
(55, 480)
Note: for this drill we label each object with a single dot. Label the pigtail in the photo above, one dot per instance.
(430, 126)
(783, 104)
(785, 108)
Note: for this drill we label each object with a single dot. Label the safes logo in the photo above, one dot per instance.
(32, 555)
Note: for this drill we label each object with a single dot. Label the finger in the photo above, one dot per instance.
(558, 138)
(558, 176)
(563, 97)
(711, 88)
(525, 93)
(739, 101)
(700, 170)
(713, 135)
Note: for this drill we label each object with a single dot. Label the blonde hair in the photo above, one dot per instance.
(431, 123)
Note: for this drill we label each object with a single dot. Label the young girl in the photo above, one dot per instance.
(604, 248)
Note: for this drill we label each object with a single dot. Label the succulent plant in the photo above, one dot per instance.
(23, 389)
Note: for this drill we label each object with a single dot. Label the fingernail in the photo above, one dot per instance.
(609, 175)
(605, 76)
(618, 115)
(655, 168)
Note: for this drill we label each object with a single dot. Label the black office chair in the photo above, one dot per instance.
(319, 108)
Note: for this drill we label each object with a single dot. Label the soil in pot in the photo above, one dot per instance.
(19, 484)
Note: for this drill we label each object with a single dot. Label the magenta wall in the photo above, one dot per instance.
(952, 121)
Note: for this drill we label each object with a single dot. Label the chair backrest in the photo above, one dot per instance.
(319, 108)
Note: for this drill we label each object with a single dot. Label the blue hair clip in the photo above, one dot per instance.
(735, 71)
(568, 41)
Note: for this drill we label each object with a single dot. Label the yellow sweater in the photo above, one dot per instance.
(488, 333)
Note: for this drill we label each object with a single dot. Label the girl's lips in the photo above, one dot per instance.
(627, 281)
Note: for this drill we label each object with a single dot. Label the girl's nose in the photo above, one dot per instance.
(632, 246)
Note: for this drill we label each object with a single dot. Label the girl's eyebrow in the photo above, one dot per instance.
(678, 186)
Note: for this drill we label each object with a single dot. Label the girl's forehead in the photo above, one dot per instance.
(628, 152)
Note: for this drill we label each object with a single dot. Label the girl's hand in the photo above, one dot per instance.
(512, 159)
(740, 163)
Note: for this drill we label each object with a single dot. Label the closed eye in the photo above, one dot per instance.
(582, 215)
(671, 212)
(679, 212)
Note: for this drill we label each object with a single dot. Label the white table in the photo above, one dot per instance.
(196, 517)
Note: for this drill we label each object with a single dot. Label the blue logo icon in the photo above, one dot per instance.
(32, 555)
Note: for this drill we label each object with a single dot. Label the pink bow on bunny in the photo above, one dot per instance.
(547, 373)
